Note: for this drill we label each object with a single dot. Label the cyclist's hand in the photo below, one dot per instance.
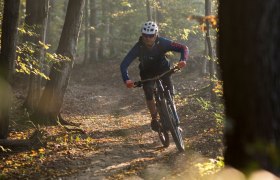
(182, 64)
(129, 84)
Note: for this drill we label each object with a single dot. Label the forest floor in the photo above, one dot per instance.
(113, 139)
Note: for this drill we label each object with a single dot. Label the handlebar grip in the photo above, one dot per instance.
(138, 84)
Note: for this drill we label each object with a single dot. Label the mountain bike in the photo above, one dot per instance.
(169, 119)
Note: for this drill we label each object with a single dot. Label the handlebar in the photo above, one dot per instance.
(169, 72)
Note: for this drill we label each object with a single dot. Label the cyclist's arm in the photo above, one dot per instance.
(177, 47)
(131, 55)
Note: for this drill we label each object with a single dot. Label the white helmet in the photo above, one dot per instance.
(149, 27)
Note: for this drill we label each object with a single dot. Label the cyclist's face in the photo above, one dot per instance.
(149, 39)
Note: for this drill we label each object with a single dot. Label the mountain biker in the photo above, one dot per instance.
(151, 49)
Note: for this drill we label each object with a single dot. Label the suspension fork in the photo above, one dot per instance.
(160, 97)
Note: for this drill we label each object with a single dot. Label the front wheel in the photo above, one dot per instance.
(170, 123)
(175, 130)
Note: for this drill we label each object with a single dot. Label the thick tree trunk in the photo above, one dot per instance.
(7, 57)
(36, 17)
(52, 98)
(249, 41)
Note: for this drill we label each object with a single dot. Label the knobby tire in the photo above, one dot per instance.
(174, 130)
(163, 133)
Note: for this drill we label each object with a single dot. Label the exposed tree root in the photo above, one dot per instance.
(35, 140)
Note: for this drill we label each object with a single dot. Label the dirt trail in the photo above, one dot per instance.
(117, 118)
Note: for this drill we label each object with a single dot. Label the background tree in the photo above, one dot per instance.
(86, 32)
(7, 58)
(123, 19)
(148, 8)
(51, 101)
(209, 48)
(36, 19)
(249, 42)
(93, 30)
(56, 18)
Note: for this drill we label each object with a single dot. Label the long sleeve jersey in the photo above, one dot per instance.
(157, 52)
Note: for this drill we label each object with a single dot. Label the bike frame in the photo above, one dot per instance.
(166, 108)
(162, 93)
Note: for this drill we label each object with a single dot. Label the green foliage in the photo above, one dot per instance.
(206, 105)
(26, 61)
(210, 167)
(220, 119)
(127, 17)
(28, 52)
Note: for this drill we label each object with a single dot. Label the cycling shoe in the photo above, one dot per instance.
(155, 125)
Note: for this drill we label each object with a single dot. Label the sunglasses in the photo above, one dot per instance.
(148, 35)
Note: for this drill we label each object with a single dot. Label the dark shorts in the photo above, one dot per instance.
(148, 87)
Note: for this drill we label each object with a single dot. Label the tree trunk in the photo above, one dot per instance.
(52, 98)
(7, 57)
(103, 34)
(49, 21)
(210, 49)
(148, 8)
(205, 60)
(93, 24)
(112, 40)
(86, 21)
(36, 17)
(249, 41)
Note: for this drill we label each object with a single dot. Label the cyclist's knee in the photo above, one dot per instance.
(148, 90)
(148, 93)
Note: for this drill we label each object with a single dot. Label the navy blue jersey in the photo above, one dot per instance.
(154, 59)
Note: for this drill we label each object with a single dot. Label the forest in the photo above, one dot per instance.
(66, 113)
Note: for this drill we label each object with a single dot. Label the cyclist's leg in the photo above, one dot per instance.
(148, 88)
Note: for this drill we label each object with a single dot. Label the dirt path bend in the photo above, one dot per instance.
(117, 119)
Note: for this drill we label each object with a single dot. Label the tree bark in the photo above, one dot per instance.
(103, 34)
(86, 21)
(36, 17)
(48, 111)
(7, 57)
(210, 49)
(205, 60)
(93, 24)
(249, 41)
(49, 22)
